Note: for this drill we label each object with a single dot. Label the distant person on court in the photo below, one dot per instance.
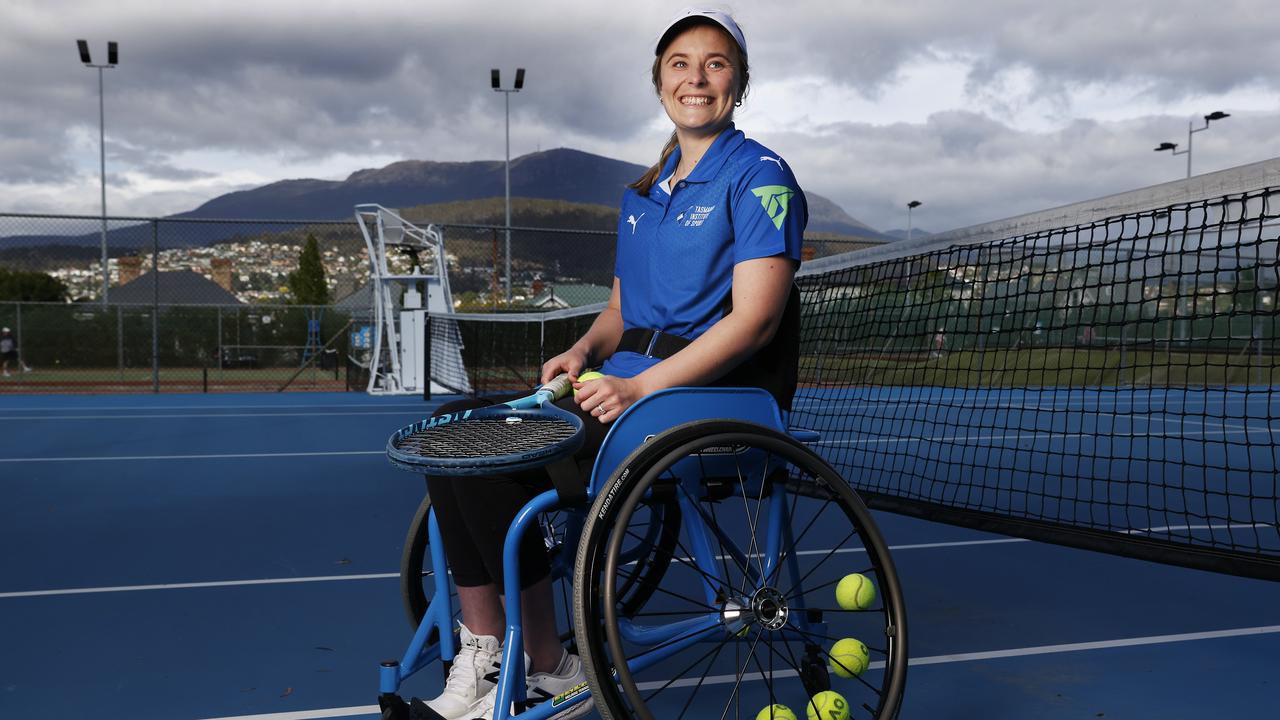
(9, 352)
(708, 246)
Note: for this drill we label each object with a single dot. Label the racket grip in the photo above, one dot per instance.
(558, 387)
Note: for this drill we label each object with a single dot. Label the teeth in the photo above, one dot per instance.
(696, 101)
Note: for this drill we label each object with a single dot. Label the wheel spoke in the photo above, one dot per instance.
(686, 560)
(718, 647)
(824, 528)
(825, 558)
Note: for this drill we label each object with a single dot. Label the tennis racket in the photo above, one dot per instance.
(517, 435)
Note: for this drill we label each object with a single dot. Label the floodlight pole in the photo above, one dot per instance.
(112, 59)
(1191, 130)
(911, 206)
(494, 82)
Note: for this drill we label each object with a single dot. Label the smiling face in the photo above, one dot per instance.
(698, 81)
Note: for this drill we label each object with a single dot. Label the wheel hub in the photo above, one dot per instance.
(769, 608)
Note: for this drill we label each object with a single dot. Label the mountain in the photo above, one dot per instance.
(561, 174)
(900, 234)
(554, 175)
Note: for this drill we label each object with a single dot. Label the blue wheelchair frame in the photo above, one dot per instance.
(646, 418)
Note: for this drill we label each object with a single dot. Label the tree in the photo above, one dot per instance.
(307, 283)
(26, 286)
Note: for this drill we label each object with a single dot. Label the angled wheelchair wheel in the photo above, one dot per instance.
(560, 531)
(746, 612)
(416, 585)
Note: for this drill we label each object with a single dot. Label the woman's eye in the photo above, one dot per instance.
(679, 64)
(715, 65)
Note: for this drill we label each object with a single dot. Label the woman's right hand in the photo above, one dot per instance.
(572, 361)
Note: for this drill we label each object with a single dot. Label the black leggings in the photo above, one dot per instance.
(475, 513)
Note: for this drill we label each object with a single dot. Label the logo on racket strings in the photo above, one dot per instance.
(439, 420)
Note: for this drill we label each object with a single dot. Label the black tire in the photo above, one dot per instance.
(415, 572)
(414, 595)
(790, 609)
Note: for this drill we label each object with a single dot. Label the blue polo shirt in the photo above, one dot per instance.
(678, 246)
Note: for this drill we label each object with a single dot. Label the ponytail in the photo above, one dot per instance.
(650, 178)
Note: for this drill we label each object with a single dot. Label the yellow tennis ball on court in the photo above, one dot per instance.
(589, 375)
(855, 592)
(827, 705)
(849, 658)
(776, 712)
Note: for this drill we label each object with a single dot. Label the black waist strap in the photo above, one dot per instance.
(651, 342)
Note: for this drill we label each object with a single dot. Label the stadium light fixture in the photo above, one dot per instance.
(1173, 147)
(113, 57)
(496, 83)
(911, 206)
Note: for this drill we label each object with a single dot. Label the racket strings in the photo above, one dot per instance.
(485, 437)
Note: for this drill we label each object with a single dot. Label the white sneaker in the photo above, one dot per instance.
(568, 682)
(473, 674)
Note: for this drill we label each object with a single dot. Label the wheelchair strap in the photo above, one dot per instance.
(653, 343)
(566, 478)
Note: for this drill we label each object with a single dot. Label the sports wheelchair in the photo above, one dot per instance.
(697, 577)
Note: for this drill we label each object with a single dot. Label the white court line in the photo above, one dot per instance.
(184, 586)
(360, 710)
(1149, 416)
(1083, 404)
(193, 457)
(997, 654)
(383, 576)
(268, 406)
(203, 415)
(1039, 436)
(354, 711)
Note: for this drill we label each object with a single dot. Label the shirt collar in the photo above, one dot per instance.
(730, 139)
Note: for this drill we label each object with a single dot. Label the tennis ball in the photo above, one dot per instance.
(849, 658)
(827, 705)
(589, 375)
(855, 592)
(776, 712)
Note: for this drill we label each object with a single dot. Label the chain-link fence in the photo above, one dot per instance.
(141, 304)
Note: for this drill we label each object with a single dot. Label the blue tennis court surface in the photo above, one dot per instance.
(235, 556)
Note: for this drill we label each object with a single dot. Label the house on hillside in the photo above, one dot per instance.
(176, 287)
(555, 297)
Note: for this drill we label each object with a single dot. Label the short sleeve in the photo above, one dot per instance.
(769, 211)
(618, 263)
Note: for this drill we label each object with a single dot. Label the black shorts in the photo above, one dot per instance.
(474, 513)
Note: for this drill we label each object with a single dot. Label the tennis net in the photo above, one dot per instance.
(1108, 384)
(1101, 378)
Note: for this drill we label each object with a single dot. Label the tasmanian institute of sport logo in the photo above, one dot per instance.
(775, 199)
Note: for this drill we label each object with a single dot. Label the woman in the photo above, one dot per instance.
(708, 244)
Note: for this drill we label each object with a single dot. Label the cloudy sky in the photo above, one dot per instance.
(980, 109)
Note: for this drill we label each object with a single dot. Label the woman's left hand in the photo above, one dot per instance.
(606, 398)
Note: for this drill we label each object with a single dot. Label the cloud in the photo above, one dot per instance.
(981, 106)
(967, 168)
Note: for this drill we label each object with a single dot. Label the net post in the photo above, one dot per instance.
(155, 306)
(426, 356)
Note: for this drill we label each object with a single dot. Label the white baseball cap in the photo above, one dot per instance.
(721, 18)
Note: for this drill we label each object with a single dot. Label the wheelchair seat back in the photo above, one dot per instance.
(665, 409)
